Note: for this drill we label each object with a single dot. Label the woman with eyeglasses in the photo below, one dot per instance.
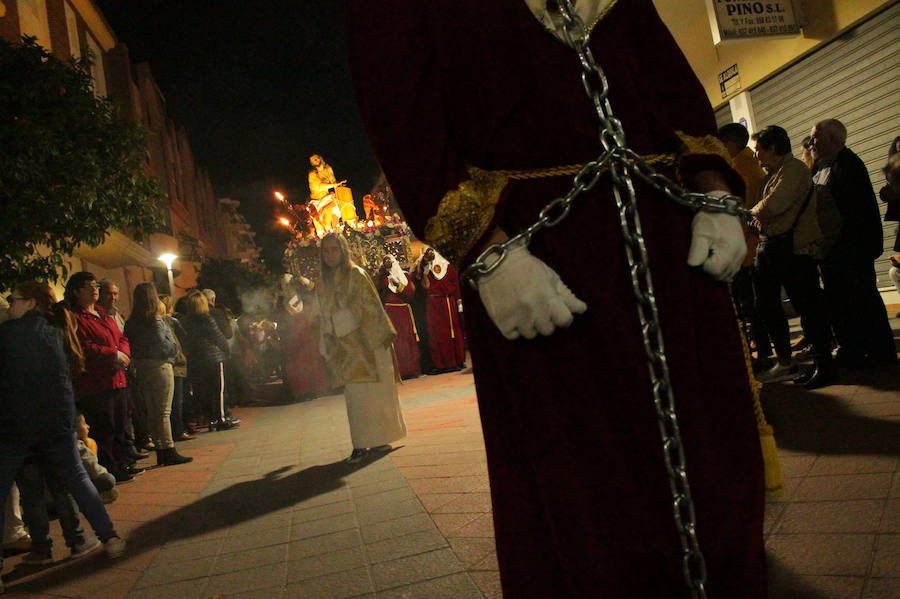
(39, 350)
(100, 389)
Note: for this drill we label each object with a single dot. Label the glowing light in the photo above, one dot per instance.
(279, 195)
(284, 221)
(168, 259)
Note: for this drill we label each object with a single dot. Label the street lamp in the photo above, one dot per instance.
(168, 259)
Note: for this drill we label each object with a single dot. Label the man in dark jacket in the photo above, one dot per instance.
(859, 317)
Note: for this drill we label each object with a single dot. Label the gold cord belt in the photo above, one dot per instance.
(573, 169)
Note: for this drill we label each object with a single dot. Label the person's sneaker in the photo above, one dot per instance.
(779, 372)
(85, 548)
(38, 558)
(122, 477)
(115, 547)
(356, 456)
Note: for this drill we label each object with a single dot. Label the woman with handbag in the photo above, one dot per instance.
(783, 259)
(356, 337)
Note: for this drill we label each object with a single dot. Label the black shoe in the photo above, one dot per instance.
(136, 455)
(134, 470)
(122, 477)
(849, 361)
(225, 424)
(807, 374)
(822, 376)
(170, 457)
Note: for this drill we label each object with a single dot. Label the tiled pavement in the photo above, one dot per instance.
(270, 510)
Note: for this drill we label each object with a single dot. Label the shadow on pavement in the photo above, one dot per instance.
(241, 502)
(813, 422)
(786, 584)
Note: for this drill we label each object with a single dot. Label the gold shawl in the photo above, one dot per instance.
(351, 359)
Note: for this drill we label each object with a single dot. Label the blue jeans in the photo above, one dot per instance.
(58, 456)
(32, 489)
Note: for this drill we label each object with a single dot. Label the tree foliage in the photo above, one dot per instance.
(233, 280)
(71, 167)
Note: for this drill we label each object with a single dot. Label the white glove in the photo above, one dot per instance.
(718, 243)
(525, 297)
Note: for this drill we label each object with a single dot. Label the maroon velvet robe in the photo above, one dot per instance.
(406, 344)
(446, 341)
(304, 367)
(581, 501)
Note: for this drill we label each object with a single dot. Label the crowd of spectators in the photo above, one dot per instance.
(86, 394)
(816, 234)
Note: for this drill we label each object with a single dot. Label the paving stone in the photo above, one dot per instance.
(341, 585)
(247, 580)
(253, 540)
(773, 514)
(328, 563)
(882, 588)
(411, 544)
(415, 568)
(391, 511)
(315, 528)
(455, 586)
(488, 583)
(823, 554)
(324, 544)
(252, 558)
(890, 520)
(182, 552)
(794, 466)
(818, 587)
(261, 523)
(887, 557)
(832, 516)
(176, 572)
(844, 486)
(398, 527)
(189, 589)
(853, 464)
(320, 512)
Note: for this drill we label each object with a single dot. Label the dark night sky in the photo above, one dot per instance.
(259, 85)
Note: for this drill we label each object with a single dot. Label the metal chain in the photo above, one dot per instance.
(622, 164)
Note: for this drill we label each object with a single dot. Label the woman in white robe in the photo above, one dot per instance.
(356, 343)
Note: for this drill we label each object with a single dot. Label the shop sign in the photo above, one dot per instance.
(742, 19)
(729, 81)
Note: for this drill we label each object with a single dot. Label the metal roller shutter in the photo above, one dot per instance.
(855, 79)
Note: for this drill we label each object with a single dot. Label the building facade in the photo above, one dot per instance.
(196, 226)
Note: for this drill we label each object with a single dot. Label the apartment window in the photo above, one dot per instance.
(33, 21)
(97, 72)
(72, 30)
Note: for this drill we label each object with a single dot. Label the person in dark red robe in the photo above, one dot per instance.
(439, 282)
(474, 110)
(304, 368)
(395, 288)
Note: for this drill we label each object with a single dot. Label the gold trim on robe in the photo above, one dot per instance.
(464, 214)
(708, 144)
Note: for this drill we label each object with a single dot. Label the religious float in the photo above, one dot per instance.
(380, 231)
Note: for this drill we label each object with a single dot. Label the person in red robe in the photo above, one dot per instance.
(477, 113)
(439, 281)
(304, 368)
(395, 288)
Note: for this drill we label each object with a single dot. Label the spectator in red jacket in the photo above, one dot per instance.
(100, 389)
